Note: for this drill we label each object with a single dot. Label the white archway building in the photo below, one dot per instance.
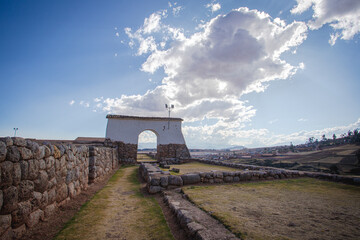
(125, 130)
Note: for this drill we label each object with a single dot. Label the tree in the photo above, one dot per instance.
(334, 137)
(292, 147)
(323, 138)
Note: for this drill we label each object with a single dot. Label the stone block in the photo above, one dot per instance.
(57, 153)
(26, 188)
(21, 214)
(228, 179)
(154, 189)
(175, 180)
(3, 151)
(52, 195)
(24, 167)
(13, 154)
(18, 141)
(49, 210)
(62, 193)
(16, 173)
(41, 183)
(1, 199)
(19, 231)
(33, 169)
(25, 153)
(42, 164)
(34, 218)
(6, 173)
(5, 223)
(154, 181)
(41, 153)
(192, 178)
(10, 200)
(71, 189)
(164, 181)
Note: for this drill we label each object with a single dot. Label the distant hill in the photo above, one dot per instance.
(235, 148)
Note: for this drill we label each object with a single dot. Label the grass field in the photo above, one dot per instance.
(284, 209)
(141, 157)
(338, 159)
(198, 167)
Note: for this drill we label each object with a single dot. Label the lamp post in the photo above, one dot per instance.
(15, 129)
(169, 107)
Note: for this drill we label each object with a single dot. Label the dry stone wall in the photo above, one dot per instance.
(127, 152)
(172, 152)
(101, 162)
(35, 179)
(158, 180)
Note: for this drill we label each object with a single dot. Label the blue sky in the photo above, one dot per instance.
(252, 73)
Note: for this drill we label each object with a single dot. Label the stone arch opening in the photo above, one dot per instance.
(147, 145)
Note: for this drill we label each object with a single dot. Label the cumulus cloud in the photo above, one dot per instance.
(72, 102)
(84, 104)
(343, 16)
(207, 72)
(213, 6)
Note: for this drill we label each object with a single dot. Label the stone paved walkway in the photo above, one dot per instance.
(119, 211)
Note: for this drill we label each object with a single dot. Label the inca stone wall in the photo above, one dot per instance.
(101, 162)
(176, 151)
(158, 180)
(127, 152)
(36, 179)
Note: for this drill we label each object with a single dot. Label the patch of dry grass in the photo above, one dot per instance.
(141, 157)
(118, 211)
(284, 209)
(198, 167)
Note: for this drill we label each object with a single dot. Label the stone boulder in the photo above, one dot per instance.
(13, 154)
(34, 218)
(3, 151)
(191, 178)
(175, 180)
(10, 199)
(25, 153)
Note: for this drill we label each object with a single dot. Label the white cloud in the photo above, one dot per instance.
(302, 120)
(98, 99)
(343, 16)
(117, 34)
(207, 72)
(72, 102)
(84, 104)
(273, 121)
(213, 6)
(176, 10)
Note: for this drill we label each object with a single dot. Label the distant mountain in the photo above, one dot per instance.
(233, 148)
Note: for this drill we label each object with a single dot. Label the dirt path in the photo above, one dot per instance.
(119, 211)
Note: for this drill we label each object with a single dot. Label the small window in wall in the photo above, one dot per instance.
(147, 146)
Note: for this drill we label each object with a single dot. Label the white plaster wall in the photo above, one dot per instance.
(128, 130)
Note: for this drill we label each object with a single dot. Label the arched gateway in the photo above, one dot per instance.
(125, 130)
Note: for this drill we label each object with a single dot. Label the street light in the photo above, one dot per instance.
(15, 129)
(169, 107)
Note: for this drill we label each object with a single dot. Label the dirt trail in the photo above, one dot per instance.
(119, 211)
